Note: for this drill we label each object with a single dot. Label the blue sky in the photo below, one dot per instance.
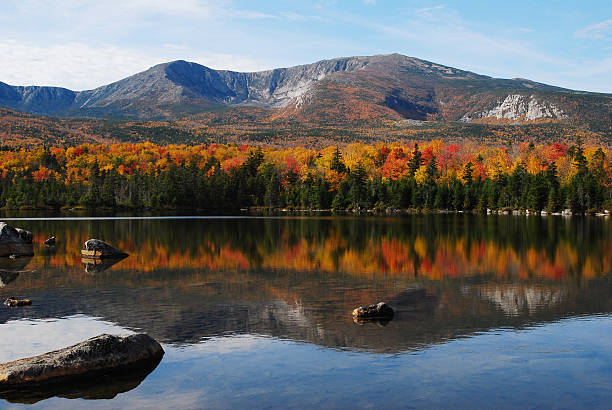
(83, 44)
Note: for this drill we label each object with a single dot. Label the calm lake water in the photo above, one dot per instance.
(491, 312)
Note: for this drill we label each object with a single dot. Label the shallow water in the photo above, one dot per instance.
(497, 311)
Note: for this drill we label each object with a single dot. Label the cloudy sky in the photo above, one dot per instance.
(82, 44)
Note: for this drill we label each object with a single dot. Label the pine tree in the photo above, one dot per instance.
(467, 173)
(416, 160)
(336, 162)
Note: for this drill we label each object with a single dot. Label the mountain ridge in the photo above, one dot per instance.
(345, 89)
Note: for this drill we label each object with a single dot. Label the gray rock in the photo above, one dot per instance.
(27, 236)
(99, 386)
(14, 302)
(97, 355)
(17, 242)
(378, 311)
(95, 248)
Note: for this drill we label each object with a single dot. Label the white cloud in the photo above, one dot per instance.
(596, 31)
(429, 10)
(79, 66)
(74, 65)
(196, 8)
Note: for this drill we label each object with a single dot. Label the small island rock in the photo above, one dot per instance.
(14, 302)
(378, 311)
(15, 242)
(98, 355)
(95, 248)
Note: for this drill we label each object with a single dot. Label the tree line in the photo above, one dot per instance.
(256, 182)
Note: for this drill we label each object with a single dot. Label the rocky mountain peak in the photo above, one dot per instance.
(392, 86)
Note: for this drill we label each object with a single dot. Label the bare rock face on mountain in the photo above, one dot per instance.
(15, 242)
(339, 90)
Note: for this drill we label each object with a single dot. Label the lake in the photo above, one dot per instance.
(255, 312)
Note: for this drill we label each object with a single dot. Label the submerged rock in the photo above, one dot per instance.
(15, 242)
(99, 355)
(14, 302)
(95, 248)
(50, 241)
(378, 311)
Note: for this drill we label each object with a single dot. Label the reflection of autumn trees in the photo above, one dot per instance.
(435, 247)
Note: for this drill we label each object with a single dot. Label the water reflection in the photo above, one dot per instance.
(445, 276)
(94, 266)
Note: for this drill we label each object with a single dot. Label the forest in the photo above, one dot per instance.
(359, 177)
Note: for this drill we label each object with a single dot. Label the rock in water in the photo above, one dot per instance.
(27, 236)
(50, 241)
(379, 311)
(99, 355)
(95, 248)
(106, 385)
(17, 242)
(14, 302)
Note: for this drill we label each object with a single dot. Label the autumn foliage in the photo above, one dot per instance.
(355, 175)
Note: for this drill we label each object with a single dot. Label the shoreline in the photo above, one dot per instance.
(276, 211)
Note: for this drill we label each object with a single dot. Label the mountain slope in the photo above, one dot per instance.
(343, 90)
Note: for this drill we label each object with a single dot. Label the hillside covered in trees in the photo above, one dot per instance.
(431, 176)
(252, 126)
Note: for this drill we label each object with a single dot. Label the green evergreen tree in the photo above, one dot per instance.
(415, 161)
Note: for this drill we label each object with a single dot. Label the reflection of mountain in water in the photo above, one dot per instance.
(445, 275)
(514, 299)
(188, 306)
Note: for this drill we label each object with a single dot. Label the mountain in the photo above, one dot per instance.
(338, 91)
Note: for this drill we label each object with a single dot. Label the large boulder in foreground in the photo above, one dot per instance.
(103, 386)
(99, 355)
(378, 311)
(97, 249)
(15, 242)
